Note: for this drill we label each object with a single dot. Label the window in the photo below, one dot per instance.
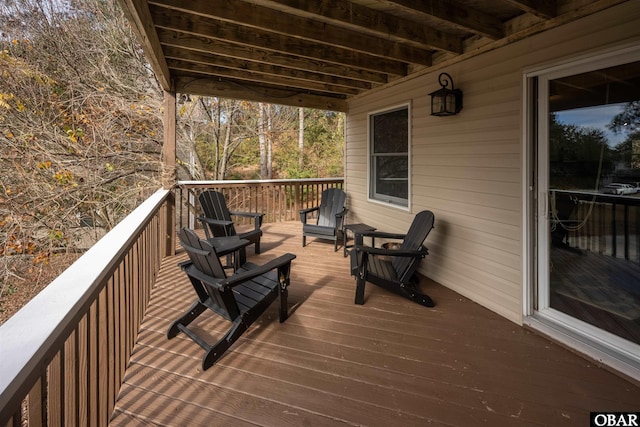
(389, 156)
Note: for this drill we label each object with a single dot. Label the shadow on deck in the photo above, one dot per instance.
(390, 362)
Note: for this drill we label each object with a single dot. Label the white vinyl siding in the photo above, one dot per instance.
(467, 168)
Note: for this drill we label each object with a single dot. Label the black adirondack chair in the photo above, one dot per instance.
(394, 269)
(217, 222)
(240, 298)
(329, 217)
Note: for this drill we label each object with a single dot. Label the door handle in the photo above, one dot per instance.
(543, 203)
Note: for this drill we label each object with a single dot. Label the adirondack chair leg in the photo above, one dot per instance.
(360, 281)
(359, 261)
(257, 248)
(241, 257)
(304, 241)
(416, 296)
(231, 262)
(283, 292)
(215, 352)
(196, 310)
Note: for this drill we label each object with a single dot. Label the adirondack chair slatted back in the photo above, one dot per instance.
(202, 254)
(204, 258)
(214, 205)
(332, 201)
(415, 237)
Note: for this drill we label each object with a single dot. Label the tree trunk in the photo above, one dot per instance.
(262, 139)
(225, 150)
(269, 141)
(217, 126)
(300, 137)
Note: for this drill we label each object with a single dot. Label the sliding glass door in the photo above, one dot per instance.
(588, 183)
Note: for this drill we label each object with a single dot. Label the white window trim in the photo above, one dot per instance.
(406, 105)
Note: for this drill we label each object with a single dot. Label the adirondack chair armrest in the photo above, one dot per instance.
(257, 217)
(204, 219)
(342, 213)
(383, 234)
(185, 264)
(304, 212)
(392, 252)
(193, 271)
(242, 277)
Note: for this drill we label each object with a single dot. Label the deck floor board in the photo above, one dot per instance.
(388, 362)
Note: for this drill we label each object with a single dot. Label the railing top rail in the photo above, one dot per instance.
(594, 196)
(256, 181)
(26, 338)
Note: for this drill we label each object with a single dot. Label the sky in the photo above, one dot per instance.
(595, 117)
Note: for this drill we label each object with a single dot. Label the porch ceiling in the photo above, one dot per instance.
(320, 53)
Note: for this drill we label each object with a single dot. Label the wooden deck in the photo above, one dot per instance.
(390, 362)
(598, 289)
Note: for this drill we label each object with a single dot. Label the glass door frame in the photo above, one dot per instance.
(537, 313)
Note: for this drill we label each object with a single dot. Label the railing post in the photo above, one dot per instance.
(626, 232)
(170, 219)
(297, 198)
(614, 231)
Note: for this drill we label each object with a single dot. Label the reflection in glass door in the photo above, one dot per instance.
(589, 173)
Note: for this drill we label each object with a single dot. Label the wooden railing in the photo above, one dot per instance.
(601, 223)
(64, 354)
(280, 200)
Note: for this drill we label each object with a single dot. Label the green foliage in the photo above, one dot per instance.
(79, 125)
(323, 147)
(576, 155)
(225, 136)
(628, 151)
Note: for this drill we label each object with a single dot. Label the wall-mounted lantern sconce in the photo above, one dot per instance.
(445, 101)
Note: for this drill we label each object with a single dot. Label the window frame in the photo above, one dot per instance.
(372, 194)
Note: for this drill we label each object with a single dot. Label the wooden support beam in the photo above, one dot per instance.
(457, 14)
(262, 68)
(137, 12)
(229, 88)
(183, 42)
(237, 73)
(233, 33)
(545, 9)
(169, 145)
(259, 17)
(364, 19)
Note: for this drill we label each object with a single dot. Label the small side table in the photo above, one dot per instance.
(357, 230)
(234, 249)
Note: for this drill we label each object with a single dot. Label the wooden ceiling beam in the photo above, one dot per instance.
(206, 86)
(320, 53)
(545, 9)
(266, 19)
(251, 78)
(212, 28)
(178, 40)
(368, 20)
(137, 12)
(456, 14)
(208, 59)
(229, 68)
